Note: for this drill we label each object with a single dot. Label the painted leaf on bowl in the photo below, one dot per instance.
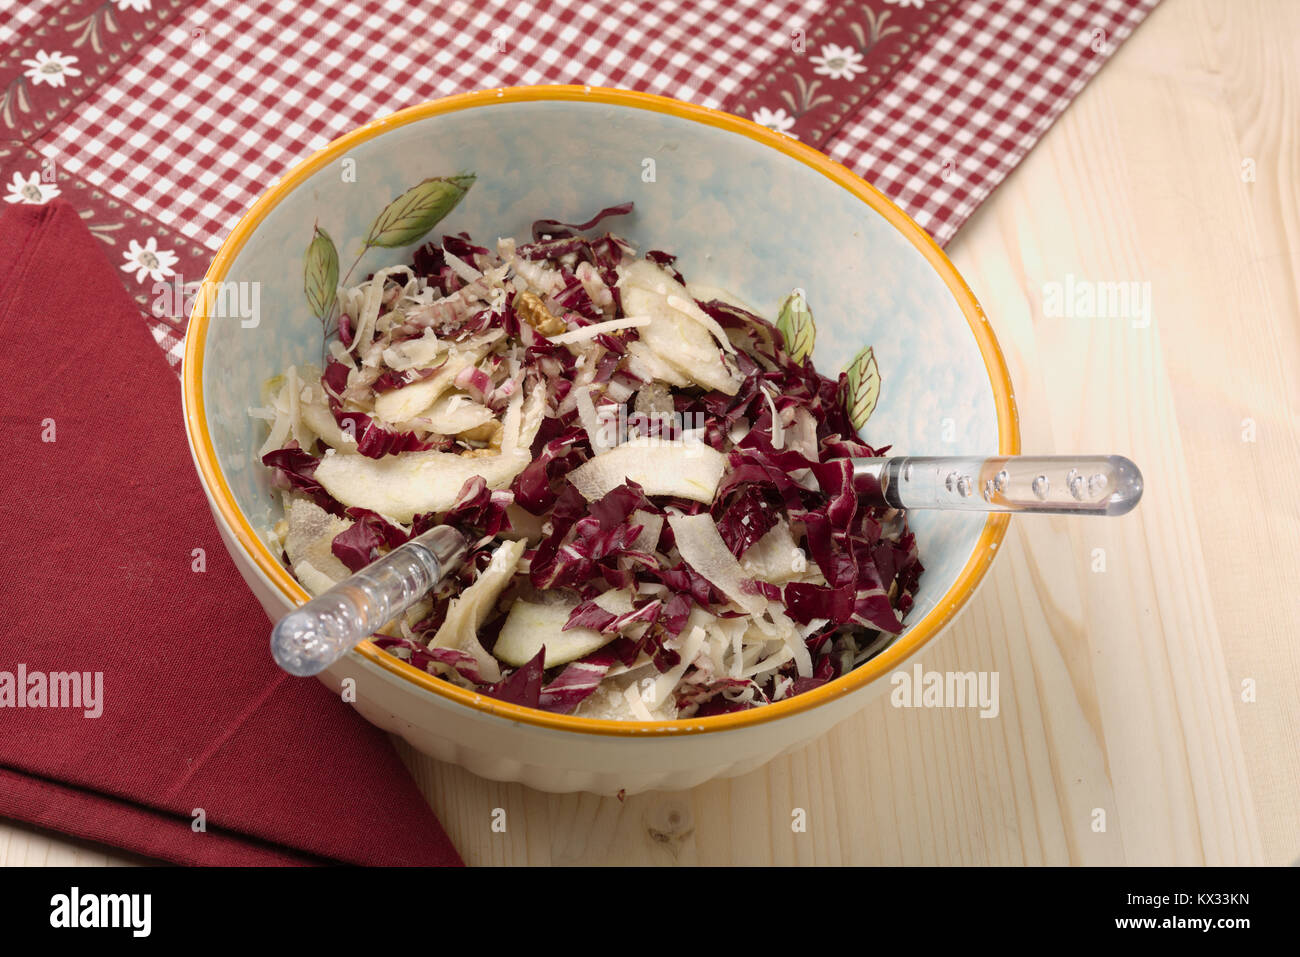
(864, 388)
(795, 323)
(320, 274)
(418, 210)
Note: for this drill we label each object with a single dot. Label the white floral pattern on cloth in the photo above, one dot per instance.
(838, 63)
(858, 43)
(30, 189)
(916, 4)
(50, 68)
(149, 260)
(67, 50)
(778, 120)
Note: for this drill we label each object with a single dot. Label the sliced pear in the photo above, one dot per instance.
(530, 420)
(689, 469)
(775, 557)
(456, 412)
(319, 419)
(646, 275)
(401, 405)
(652, 527)
(524, 524)
(530, 625)
(406, 485)
(307, 543)
(701, 546)
(471, 607)
(415, 353)
(644, 363)
(679, 339)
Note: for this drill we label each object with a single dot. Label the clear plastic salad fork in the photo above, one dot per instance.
(311, 638)
(1058, 484)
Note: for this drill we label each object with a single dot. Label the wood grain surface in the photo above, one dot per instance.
(1149, 666)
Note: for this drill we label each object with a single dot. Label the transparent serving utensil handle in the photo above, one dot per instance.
(1062, 484)
(313, 636)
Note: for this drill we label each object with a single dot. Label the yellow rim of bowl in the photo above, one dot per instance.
(1008, 426)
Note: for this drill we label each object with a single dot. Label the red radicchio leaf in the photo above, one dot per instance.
(555, 248)
(616, 506)
(675, 612)
(460, 246)
(685, 580)
(664, 658)
(719, 704)
(826, 668)
(294, 469)
(464, 663)
(374, 441)
(596, 542)
(523, 686)
(335, 379)
(428, 659)
(391, 380)
(591, 615)
(358, 545)
(666, 261)
(474, 381)
(574, 296)
(606, 253)
(477, 508)
(805, 602)
(871, 605)
(558, 230)
(806, 684)
(616, 343)
(428, 261)
(576, 682)
(532, 487)
(744, 518)
(606, 367)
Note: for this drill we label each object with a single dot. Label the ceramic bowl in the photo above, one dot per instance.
(744, 208)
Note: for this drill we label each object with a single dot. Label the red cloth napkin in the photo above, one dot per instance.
(101, 512)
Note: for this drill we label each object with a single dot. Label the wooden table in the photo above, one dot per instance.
(1149, 666)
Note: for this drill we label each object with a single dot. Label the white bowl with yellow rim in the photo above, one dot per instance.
(744, 208)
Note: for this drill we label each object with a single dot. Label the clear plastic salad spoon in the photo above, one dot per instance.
(313, 636)
(1060, 484)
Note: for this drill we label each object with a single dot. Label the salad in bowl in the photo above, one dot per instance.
(654, 480)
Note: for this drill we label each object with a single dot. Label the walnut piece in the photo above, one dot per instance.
(530, 308)
(489, 432)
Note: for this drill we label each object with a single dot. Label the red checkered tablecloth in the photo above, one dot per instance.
(162, 120)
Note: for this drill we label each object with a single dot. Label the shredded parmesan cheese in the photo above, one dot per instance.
(597, 328)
